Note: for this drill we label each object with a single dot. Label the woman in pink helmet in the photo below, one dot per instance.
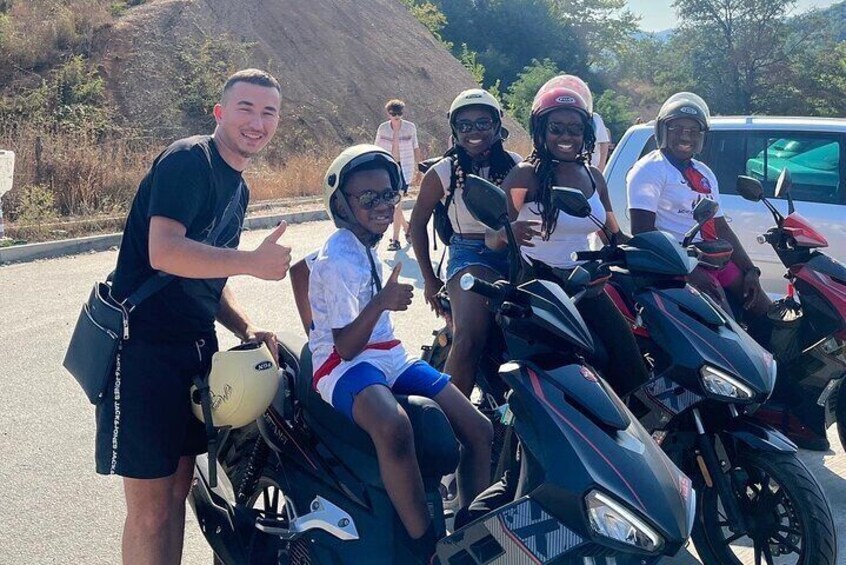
(563, 138)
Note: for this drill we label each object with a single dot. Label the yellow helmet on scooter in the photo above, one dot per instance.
(242, 383)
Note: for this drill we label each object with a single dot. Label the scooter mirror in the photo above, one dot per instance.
(705, 210)
(571, 201)
(579, 279)
(750, 189)
(783, 184)
(485, 201)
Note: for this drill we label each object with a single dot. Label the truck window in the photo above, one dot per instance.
(814, 161)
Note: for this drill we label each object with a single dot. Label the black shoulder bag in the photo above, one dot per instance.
(103, 323)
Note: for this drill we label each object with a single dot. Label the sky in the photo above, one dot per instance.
(658, 15)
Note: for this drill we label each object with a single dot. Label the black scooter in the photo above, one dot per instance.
(755, 497)
(594, 487)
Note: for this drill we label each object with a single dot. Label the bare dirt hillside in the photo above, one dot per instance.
(338, 62)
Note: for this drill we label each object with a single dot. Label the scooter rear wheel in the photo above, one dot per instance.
(788, 520)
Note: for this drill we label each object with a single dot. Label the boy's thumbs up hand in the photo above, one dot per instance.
(395, 296)
(270, 260)
(394, 278)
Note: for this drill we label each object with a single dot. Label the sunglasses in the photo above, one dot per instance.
(556, 128)
(370, 199)
(692, 130)
(395, 114)
(466, 126)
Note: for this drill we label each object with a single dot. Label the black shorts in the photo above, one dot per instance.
(145, 423)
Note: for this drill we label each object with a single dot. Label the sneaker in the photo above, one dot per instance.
(394, 245)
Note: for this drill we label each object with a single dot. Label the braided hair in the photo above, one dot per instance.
(544, 165)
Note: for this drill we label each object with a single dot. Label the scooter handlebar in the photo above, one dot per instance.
(470, 283)
(587, 256)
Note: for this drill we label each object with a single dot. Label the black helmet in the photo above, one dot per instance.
(681, 105)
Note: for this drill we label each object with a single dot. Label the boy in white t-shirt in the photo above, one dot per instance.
(359, 363)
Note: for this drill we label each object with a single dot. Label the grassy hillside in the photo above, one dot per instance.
(90, 90)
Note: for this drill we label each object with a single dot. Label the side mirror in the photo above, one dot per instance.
(750, 189)
(485, 201)
(705, 210)
(571, 201)
(579, 279)
(783, 184)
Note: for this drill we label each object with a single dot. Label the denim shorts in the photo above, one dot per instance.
(465, 253)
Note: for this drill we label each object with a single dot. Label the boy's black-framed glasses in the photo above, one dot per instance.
(370, 198)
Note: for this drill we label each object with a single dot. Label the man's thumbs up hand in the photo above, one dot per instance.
(270, 260)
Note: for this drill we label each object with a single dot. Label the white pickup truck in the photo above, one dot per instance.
(814, 149)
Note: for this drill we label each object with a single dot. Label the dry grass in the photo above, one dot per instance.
(37, 33)
(296, 175)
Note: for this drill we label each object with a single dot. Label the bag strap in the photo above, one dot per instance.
(160, 279)
(373, 274)
(202, 384)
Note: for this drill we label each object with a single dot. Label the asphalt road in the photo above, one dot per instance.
(53, 507)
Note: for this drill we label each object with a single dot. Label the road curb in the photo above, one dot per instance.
(61, 248)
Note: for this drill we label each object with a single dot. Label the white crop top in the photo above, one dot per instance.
(570, 234)
(460, 217)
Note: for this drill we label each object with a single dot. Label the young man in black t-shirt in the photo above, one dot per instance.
(146, 431)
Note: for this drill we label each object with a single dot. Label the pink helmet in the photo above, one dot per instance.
(552, 99)
(573, 83)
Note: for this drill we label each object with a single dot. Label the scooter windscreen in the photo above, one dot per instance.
(658, 253)
(556, 315)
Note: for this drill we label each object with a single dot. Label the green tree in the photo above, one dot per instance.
(604, 27)
(740, 51)
(429, 15)
(615, 110)
(522, 91)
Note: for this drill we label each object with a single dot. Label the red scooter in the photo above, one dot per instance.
(808, 325)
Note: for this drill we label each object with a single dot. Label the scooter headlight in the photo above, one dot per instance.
(610, 519)
(720, 383)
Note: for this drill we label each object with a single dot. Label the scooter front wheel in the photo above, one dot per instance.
(787, 518)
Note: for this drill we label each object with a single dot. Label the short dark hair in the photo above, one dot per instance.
(395, 106)
(251, 76)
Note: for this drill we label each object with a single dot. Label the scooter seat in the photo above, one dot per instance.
(435, 442)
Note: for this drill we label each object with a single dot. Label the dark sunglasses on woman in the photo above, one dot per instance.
(556, 128)
(466, 126)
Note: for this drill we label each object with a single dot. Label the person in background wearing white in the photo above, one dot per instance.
(399, 136)
(603, 142)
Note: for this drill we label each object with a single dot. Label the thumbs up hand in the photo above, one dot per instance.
(270, 260)
(395, 296)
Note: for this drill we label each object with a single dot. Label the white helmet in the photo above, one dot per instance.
(242, 383)
(350, 159)
(682, 105)
(474, 97)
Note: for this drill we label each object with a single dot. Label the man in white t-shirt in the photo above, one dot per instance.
(359, 363)
(603, 142)
(399, 136)
(664, 187)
